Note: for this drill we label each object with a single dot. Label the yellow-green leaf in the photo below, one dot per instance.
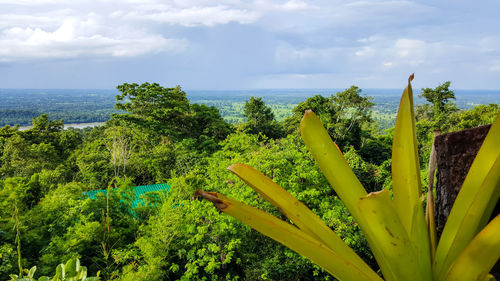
(479, 256)
(290, 236)
(431, 223)
(406, 180)
(456, 235)
(489, 190)
(302, 216)
(392, 238)
(405, 162)
(331, 162)
(342, 179)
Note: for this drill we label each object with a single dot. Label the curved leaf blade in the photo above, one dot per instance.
(290, 236)
(479, 256)
(449, 246)
(489, 191)
(331, 162)
(406, 183)
(297, 212)
(342, 179)
(405, 162)
(392, 238)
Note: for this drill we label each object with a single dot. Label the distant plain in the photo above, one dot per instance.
(81, 106)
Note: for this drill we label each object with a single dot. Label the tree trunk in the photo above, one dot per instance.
(455, 153)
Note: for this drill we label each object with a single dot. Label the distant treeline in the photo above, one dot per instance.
(20, 106)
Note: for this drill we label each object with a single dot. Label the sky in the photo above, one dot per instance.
(249, 44)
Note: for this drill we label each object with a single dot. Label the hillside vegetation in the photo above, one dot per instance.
(157, 135)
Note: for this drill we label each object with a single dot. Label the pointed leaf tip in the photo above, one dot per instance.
(308, 114)
(411, 77)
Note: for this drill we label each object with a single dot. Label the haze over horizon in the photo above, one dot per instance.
(255, 44)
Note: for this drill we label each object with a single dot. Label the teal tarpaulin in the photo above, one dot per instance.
(139, 192)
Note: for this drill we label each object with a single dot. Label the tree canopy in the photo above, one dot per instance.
(168, 107)
(162, 137)
(440, 108)
(346, 115)
(260, 118)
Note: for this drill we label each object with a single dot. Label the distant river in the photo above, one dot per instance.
(71, 125)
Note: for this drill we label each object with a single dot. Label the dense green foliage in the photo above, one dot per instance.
(346, 115)
(69, 271)
(46, 219)
(260, 119)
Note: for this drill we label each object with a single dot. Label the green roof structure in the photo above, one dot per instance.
(139, 191)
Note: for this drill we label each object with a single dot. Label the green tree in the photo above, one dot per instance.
(365, 172)
(260, 118)
(437, 115)
(208, 121)
(94, 166)
(346, 116)
(208, 127)
(477, 116)
(20, 157)
(44, 131)
(320, 105)
(377, 150)
(441, 107)
(188, 241)
(352, 113)
(164, 108)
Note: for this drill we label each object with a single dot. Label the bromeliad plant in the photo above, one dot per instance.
(400, 236)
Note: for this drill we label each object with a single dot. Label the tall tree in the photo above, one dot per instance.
(260, 118)
(352, 112)
(320, 105)
(345, 115)
(164, 108)
(441, 106)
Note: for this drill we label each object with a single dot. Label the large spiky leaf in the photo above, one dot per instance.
(331, 162)
(489, 191)
(379, 210)
(474, 203)
(290, 236)
(302, 216)
(342, 179)
(406, 180)
(479, 256)
(405, 162)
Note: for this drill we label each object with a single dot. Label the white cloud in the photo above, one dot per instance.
(495, 66)
(81, 28)
(194, 16)
(365, 51)
(75, 38)
(411, 51)
(295, 5)
(287, 52)
(302, 37)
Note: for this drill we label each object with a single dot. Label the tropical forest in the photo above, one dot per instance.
(169, 189)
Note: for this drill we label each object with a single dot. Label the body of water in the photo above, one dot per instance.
(71, 125)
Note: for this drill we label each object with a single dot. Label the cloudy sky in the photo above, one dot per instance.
(246, 44)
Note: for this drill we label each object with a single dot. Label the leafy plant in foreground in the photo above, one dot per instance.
(71, 271)
(396, 227)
